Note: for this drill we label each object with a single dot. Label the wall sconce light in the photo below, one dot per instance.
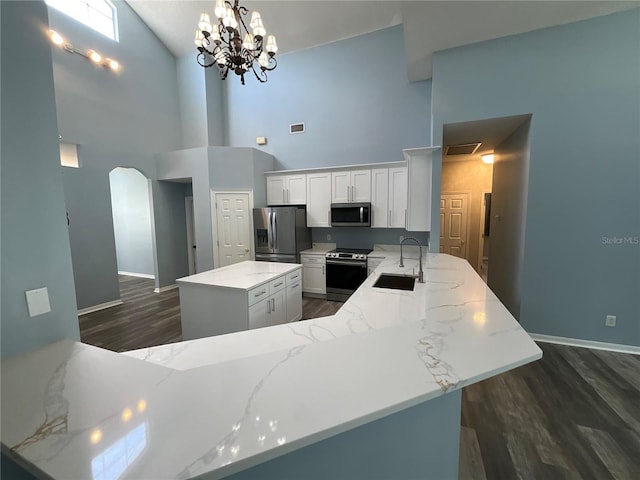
(91, 55)
(488, 158)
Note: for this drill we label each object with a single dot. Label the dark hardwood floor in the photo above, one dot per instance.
(574, 415)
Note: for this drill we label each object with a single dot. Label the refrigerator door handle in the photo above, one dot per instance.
(275, 231)
(269, 231)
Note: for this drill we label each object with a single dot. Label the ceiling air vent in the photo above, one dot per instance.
(296, 128)
(463, 149)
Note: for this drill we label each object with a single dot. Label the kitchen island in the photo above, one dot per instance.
(240, 297)
(371, 392)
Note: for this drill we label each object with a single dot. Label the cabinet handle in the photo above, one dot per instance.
(288, 195)
(293, 278)
(278, 284)
(295, 286)
(258, 294)
(273, 303)
(389, 219)
(405, 218)
(323, 269)
(268, 306)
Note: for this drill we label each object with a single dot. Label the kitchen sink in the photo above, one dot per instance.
(395, 281)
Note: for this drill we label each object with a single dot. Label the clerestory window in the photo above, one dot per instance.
(99, 15)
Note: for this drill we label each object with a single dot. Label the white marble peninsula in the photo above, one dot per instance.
(240, 297)
(373, 392)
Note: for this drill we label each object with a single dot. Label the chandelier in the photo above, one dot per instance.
(231, 46)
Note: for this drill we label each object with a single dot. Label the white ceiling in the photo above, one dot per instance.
(429, 26)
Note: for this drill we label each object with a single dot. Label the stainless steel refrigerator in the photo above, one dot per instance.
(280, 233)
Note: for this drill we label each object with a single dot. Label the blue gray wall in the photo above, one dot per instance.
(132, 228)
(118, 119)
(34, 239)
(354, 237)
(91, 231)
(353, 96)
(581, 82)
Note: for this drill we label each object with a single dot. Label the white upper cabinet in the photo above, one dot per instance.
(287, 189)
(389, 197)
(380, 198)
(398, 197)
(351, 186)
(419, 162)
(318, 199)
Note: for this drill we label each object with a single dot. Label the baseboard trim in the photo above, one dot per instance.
(315, 295)
(100, 306)
(134, 274)
(165, 289)
(576, 342)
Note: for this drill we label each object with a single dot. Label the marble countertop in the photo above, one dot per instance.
(243, 275)
(319, 249)
(222, 404)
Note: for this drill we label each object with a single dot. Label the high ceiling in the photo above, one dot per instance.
(429, 26)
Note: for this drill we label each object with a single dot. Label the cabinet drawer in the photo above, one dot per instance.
(294, 277)
(318, 259)
(258, 293)
(276, 285)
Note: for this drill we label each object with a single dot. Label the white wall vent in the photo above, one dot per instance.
(463, 149)
(296, 128)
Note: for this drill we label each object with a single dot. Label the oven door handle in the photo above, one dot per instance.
(350, 264)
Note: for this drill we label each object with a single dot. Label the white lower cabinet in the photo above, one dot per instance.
(314, 274)
(258, 315)
(294, 302)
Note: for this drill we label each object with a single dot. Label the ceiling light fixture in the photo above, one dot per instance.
(92, 55)
(488, 158)
(231, 46)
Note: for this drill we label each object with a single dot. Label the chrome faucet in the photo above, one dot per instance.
(420, 273)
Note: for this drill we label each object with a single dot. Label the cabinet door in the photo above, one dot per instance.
(361, 186)
(340, 187)
(276, 190)
(313, 278)
(259, 313)
(398, 197)
(296, 190)
(318, 199)
(380, 198)
(294, 302)
(278, 311)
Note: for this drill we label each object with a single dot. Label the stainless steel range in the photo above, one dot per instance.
(346, 270)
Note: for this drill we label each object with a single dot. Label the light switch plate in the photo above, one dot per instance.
(38, 301)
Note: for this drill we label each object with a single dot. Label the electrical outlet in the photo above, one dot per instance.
(328, 237)
(401, 238)
(610, 321)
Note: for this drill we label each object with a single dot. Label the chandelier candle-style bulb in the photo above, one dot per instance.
(205, 23)
(263, 60)
(198, 39)
(255, 16)
(229, 20)
(248, 42)
(272, 46)
(258, 30)
(220, 10)
(55, 37)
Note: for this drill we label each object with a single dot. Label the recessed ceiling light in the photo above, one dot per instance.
(488, 158)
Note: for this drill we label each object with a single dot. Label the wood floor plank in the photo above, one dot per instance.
(608, 450)
(470, 462)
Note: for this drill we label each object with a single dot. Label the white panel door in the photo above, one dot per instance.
(380, 198)
(318, 199)
(361, 186)
(296, 190)
(276, 186)
(233, 228)
(398, 197)
(453, 224)
(340, 187)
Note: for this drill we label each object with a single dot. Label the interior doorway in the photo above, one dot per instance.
(132, 222)
(232, 227)
(454, 218)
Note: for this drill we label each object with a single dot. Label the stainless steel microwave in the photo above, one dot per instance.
(350, 214)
